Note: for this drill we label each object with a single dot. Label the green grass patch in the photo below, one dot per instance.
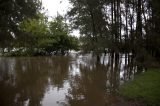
(145, 87)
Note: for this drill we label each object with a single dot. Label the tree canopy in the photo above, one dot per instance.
(48, 37)
(121, 26)
(12, 13)
(25, 28)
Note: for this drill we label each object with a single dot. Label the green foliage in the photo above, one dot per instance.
(12, 13)
(37, 27)
(144, 87)
(48, 36)
(74, 43)
(38, 31)
(60, 32)
(87, 16)
(119, 25)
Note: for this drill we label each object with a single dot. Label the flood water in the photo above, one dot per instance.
(75, 80)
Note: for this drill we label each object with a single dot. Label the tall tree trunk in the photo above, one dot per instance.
(139, 25)
(126, 27)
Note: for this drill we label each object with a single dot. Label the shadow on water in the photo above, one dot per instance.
(76, 80)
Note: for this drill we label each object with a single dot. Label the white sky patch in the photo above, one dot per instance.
(54, 6)
(75, 33)
(58, 6)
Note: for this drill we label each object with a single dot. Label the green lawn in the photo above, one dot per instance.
(145, 87)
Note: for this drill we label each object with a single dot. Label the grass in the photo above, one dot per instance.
(145, 87)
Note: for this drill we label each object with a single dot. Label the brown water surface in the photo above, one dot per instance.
(75, 80)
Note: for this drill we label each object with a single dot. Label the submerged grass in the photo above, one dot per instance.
(145, 87)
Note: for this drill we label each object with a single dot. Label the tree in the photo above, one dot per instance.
(47, 37)
(123, 26)
(12, 13)
(60, 32)
(88, 17)
(37, 32)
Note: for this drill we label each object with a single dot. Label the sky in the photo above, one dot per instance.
(54, 6)
(60, 6)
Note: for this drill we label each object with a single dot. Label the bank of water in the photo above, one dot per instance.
(144, 89)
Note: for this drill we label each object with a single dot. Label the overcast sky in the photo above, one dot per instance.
(54, 6)
(60, 6)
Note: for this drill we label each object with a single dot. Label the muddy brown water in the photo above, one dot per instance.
(75, 80)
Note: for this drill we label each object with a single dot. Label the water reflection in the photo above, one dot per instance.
(62, 81)
(97, 83)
